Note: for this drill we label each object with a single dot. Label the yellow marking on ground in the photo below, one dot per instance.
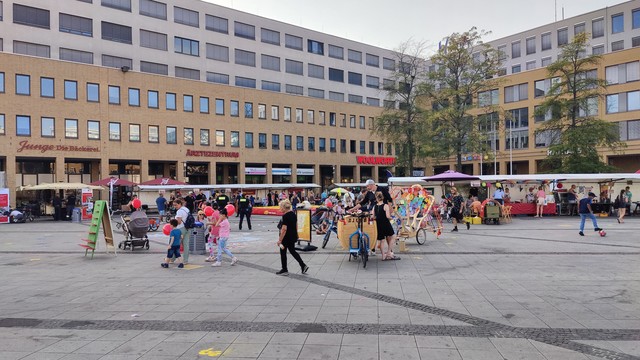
(191, 267)
(418, 257)
(34, 259)
(210, 352)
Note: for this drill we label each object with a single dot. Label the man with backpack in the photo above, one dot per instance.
(185, 220)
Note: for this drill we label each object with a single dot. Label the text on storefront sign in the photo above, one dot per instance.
(212, 153)
(25, 145)
(376, 160)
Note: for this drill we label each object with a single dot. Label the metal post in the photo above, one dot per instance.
(511, 148)
(495, 150)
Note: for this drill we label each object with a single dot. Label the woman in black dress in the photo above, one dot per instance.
(382, 214)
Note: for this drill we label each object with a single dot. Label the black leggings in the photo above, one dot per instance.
(292, 249)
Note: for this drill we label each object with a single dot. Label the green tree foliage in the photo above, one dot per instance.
(464, 66)
(571, 104)
(404, 124)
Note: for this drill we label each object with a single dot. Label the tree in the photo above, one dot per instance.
(571, 105)
(462, 68)
(403, 125)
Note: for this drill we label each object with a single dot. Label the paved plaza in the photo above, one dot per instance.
(531, 289)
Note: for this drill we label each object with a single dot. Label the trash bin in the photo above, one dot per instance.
(76, 216)
(196, 241)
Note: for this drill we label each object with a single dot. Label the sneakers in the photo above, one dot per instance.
(209, 259)
(581, 233)
(455, 229)
(305, 269)
(234, 260)
(597, 229)
(468, 225)
(282, 273)
(181, 265)
(164, 265)
(216, 264)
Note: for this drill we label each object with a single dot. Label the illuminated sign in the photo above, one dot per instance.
(376, 160)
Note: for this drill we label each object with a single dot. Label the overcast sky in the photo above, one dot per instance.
(388, 23)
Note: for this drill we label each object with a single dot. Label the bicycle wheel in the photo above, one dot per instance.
(421, 236)
(364, 250)
(326, 238)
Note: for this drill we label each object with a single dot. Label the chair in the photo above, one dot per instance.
(506, 213)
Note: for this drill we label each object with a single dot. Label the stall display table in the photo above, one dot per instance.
(530, 209)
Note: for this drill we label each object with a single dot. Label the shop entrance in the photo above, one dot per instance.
(227, 173)
(196, 173)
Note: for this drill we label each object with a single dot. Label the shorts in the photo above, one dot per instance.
(540, 201)
(161, 212)
(456, 214)
(175, 250)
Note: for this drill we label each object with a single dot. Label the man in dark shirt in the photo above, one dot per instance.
(190, 200)
(71, 203)
(244, 209)
(222, 200)
(586, 211)
(57, 208)
(370, 197)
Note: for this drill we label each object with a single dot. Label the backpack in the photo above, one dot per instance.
(190, 221)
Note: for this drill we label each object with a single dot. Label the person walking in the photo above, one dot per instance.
(628, 194)
(57, 208)
(540, 199)
(245, 208)
(225, 231)
(173, 249)
(585, 211)
(621, 203)
(288, 238)
(572, 200)
(181, 215)
(161, 203)
(71, 203)
(457, 209)
(382, 215)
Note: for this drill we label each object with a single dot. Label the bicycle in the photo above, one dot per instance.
(332, 228)
(362, 240)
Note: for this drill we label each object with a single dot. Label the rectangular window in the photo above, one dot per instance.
(23, 84)
(332, 119)
(315, 47)
(153, 9)
(310, 117)
(271, 86)
(248, 140)
(234, 108)
(315, 71)
(116, 32)
(154, 134)
(234, 139)
(373, 82)
(516, 69)
(597, 28)
(332, 145)
(563, 36)
(294, 89)
(154, 68)
(248, 110)
(597, 50)
(172, 135)
(363, 147)
(363, 122)
(531, 65)
(186, 46)
(204, 137)
(246, 58)
(217, 24)
(31, 16)
(171, 101)
(355, 56)
(316, 93)
(93, 92)
(186, 17)
(617, 45)
(275, 112)
(531, 45)
(185, 73)
(1, 82)
(545, 41)
(293, 67)
(116, 62)
(372, 148)
(502, 54)
(270, 62)
(515, 93)
(617, 23)
(623, 73)
(336, 75)
(23, 125)
(220, 141)
(134, 132)
(373, 60)
(355, 78)
(204, 105)
(219, 106)
(287, 113)
(76, 56)
(262, 141)
(244, 31)
(356, 99)
(48, 127)
(152, 99)
(124, 5)
(336, 52)
(76, 25)
(578, 29)
(336, 96)
(388, 64)
(299, 143)
(114, 95)
(545, 62)
(322, 118)
(218, 78)
(46, 87)
(217, 52)
(292, 42)
(352, 121)
(93, 130)
(287, 142)
(515, 49)
(153, 40)
(245, 82)
(343, 145)
(262, 111)
(373, 101)
(311, 141)
(519, 139)
(114, 131)
(25, 48)
(134, 97)
(187, 136)
(299, 116)
(380, 148)
(275, 141)
(269, 36)
(71, 129)
(519, 119)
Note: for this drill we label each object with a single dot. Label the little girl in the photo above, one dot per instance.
(214, 233)
(225, 231)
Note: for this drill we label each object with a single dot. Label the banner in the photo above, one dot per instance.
(304, 225)
(87, 204)
(4, 205)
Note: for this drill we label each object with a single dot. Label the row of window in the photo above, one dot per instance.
(78, 25)
(71, 131)
(135, 98)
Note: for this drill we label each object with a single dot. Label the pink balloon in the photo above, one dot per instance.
(166, 229)
(136, 203)
(208, 211)
(230, 209)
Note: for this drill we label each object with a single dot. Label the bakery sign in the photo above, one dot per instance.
(376, 160)
(25, 145)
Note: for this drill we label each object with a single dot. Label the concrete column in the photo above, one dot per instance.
(11, 177)
(268, 179)
(180, 168)
(212, 172)
(336, 173)
(294, 176)
(104, 172)
(241, 178)
(356, 173)
(59, 175)
(144, 170)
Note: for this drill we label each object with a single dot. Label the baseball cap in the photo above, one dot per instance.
(370, 182)
(592, 194)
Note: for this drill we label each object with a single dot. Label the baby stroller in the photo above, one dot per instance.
(318, 217)
(135, 229)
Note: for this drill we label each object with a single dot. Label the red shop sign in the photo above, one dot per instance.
(376, 160)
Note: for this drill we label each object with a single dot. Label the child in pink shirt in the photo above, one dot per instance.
(225, 231)
(214, 233)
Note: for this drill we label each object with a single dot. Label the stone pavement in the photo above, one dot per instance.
(531, 289)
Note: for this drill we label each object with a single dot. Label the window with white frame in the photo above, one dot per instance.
(623, 73)
(515, 93)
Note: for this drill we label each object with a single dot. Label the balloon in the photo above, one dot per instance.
(230, 209)
(483, 184)
(166, 229)
(329, 203)
(498, 185)
(208, 211)
(136, 203)
(559, 186)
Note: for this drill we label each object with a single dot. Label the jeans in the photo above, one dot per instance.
(583, 217)
(222, 246)
(292, 249)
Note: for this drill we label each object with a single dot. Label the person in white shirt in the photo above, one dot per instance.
(181, 215)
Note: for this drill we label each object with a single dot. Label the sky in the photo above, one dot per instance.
(387, 24)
